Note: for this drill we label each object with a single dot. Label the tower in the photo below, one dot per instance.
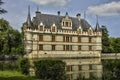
(27, 35)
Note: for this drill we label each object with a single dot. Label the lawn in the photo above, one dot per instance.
(14, 75)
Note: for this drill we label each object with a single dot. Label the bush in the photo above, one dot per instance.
(24, 66)
(50, 69)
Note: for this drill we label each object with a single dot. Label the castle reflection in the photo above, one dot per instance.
(83, 68)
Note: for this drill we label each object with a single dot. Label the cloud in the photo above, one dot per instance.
(108, 9)
(54, 3)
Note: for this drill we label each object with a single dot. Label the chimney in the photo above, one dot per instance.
(58, 13)
(38, 12)
(78, 16)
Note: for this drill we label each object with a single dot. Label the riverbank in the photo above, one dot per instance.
(14, 75)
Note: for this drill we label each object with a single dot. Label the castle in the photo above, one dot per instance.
(61, 36)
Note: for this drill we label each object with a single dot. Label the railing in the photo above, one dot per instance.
(110, 56)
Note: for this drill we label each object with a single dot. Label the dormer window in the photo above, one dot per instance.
(80, 30)
(53, 28)
(66, 22)
(41, 27)
(90, 31)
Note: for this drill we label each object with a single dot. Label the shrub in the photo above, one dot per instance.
(24, 66)
(50, 69)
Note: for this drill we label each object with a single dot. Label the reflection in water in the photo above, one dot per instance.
(83, 68)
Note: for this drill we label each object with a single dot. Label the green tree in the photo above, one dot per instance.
(1, 9)
(117, 45)
(4, 25)
(50, 69)
(105, 40)
(11, 41)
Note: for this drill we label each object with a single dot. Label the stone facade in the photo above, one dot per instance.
(55, 34)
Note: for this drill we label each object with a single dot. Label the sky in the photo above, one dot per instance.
(108, 11)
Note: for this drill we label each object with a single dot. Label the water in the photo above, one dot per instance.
(77, 69)
(84, 68)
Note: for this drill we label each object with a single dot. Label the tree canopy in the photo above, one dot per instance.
(10, 39)
(1, 9)
(109, 44)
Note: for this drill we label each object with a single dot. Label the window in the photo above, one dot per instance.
(41, 28)
(67, 47)
(69, 68)
(70, 47)
(80, 67)
(53, 29)
(63, 24)
(40, 47)
(66, 24)
(70, 39)
(63, 38)
(90, 32)
(53, 38)
(79, 47)
(90, 48)
(40, 37)
(90, 66)
(64, 47)
(53, 47)
(90, 40)
(79, 39)
(67, 39)
(80, 31)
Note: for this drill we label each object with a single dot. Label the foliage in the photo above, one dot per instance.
(2, 10)
(9, 65)
(24, 66)
(10, 40)
(109, 44)
(111, 69)
(14, 75)
(105, 40)
(50, 69)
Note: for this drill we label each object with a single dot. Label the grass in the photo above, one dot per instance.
(14, 75)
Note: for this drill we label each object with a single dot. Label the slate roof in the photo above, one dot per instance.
(49, 19)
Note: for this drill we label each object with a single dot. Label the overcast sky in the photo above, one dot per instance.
(107, 10)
